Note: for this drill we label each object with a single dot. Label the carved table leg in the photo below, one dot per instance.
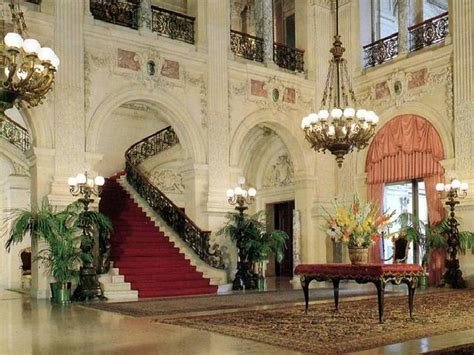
(380, 284)
(411, 295)
(305, 285)
(335, 283)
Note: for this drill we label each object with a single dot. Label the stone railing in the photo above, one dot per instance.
(246, 46)
(122, 13)
(288, 57)
(15, 134)
(188, 231)
(429, 32)
(172, 24)
(381, 51)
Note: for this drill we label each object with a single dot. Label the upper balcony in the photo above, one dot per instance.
(422, 35)
(165, 23)
(252, 48)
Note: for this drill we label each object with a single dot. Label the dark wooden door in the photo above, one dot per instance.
(284, 221)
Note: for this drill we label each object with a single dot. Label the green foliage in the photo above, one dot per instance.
(249, 233)
(63, 231)
(63, 257)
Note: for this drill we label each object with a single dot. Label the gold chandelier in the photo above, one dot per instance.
(340, 125)
(28, 69)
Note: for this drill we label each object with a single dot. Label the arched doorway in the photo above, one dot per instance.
(406, 152)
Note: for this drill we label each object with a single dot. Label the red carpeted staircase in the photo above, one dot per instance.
(143, 254)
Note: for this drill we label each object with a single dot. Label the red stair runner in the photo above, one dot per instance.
(144, 255)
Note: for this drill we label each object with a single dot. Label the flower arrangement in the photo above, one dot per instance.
(358, 226)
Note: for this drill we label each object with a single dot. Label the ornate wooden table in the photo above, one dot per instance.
(378, 274)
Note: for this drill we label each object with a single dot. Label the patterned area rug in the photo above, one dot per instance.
(355, 327)
(180, 305)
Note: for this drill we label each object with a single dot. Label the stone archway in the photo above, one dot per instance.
(188, 131)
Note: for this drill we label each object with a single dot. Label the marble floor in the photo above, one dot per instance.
(29, 326)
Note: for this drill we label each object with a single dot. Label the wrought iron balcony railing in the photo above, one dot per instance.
(246, 46)
(172, 24)
(381, 51)
(122, 13)
(429, 32)
(15, 134)
(191, 234)
(288, 57)
(37, 2)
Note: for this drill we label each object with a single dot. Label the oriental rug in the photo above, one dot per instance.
(354, 327)
(180, 305)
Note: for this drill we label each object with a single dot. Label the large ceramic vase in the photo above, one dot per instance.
(60, 293)
(358, 256)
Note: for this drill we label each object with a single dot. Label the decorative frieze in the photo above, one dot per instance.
(167, 181)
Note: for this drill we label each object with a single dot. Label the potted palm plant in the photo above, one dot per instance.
(63, 233)
(254, 246)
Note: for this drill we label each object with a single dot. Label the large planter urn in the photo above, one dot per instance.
(358, 256)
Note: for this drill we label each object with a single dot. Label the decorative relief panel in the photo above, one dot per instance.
(281, 173)
(402, 87)
(257, 88)
(198, 81)
(170, 69)
(128, 60)
(289, 95)
(167, 181)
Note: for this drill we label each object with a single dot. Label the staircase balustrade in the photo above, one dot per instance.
(15, 134)
(429, 32)
(246, 46)
(191, 234)
(172, 24)
(122, 13)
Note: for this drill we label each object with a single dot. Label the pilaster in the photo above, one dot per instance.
(462, 18)
(218, 108)
(69, 116)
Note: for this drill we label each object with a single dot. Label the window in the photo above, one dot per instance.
(401, 197)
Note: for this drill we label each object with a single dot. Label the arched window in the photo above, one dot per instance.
(404, 156)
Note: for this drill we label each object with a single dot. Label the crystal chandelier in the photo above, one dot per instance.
(28, 69)
(340, 125)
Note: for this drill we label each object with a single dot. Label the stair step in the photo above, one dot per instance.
(130, 295)
(124, 286)
(179, 292)
(156, 270)
(143, 255)
(164, 277)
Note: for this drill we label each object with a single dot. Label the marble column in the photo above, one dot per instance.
(145, 16)
(264, 27)
(218, 139)
(403, 23)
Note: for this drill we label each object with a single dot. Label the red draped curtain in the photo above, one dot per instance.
(407, 147)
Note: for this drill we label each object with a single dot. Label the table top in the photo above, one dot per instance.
(351, 270)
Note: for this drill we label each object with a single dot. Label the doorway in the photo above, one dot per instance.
(283, 220)
(405, 197)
